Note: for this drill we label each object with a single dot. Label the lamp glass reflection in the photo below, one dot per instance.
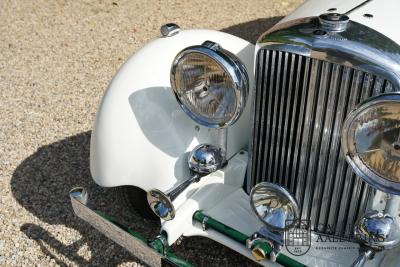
(205, 88)
(274, 205)
(377, 139)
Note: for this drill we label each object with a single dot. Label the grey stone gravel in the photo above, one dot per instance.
(55, 62)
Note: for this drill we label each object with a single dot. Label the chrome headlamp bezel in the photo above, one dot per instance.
(231, 65)
(348, 143)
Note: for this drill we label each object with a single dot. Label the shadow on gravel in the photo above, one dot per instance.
(41, 184)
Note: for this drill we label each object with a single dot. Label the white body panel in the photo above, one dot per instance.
(141, 134)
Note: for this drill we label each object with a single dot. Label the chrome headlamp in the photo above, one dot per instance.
(371, 142)
(210, 84)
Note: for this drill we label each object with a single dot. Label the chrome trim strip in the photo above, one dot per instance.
(359, 47)
(135, 246)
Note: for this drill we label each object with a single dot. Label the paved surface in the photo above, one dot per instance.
(55, 62)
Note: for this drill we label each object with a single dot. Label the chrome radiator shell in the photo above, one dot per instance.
(301, 104)
(306, 84)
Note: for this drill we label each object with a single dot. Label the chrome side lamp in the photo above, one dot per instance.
(203, 160)
(278, 210)
(375, 231)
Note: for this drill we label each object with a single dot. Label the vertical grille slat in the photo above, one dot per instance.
(274, 118)
(289, 109)
(280, 129)
(261, 121)
(269, 116)
(301, 104)
(257, 123)
(274, 94)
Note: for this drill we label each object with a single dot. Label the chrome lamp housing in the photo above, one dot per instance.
(278, 210)
(210, 84)
(274, 206)
(378, 231)
(371, 142)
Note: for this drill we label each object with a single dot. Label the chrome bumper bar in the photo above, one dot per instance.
(148, 252)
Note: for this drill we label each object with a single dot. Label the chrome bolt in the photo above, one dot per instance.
(169, 29)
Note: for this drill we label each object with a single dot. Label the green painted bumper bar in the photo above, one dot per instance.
(242, 238)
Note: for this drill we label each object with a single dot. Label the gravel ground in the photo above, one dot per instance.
(55, 62)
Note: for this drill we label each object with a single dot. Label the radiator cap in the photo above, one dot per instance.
(333, 22)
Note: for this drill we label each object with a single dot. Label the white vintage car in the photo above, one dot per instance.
(286, 151)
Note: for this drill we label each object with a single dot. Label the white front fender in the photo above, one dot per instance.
(141, 134)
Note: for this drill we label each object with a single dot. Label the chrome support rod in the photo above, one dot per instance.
(392, 205)
(174, 192)
(203, 160)
(363, 257)
(161, 203)
(223, 140)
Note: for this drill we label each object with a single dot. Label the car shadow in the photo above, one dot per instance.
(251, 30)
(56, 168)
(41, 184)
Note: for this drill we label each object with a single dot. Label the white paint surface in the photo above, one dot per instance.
(141, 136)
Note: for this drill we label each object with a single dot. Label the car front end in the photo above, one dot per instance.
(286, 151)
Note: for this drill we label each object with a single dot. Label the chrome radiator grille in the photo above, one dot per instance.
(301, 104)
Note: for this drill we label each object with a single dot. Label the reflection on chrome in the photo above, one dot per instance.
(375, 231)
(370, 140)
(274, 205)
(377, 132)
(203, 160)
(210, 84)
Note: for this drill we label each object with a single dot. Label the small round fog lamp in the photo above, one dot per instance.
(371, 142)
(274, 206)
